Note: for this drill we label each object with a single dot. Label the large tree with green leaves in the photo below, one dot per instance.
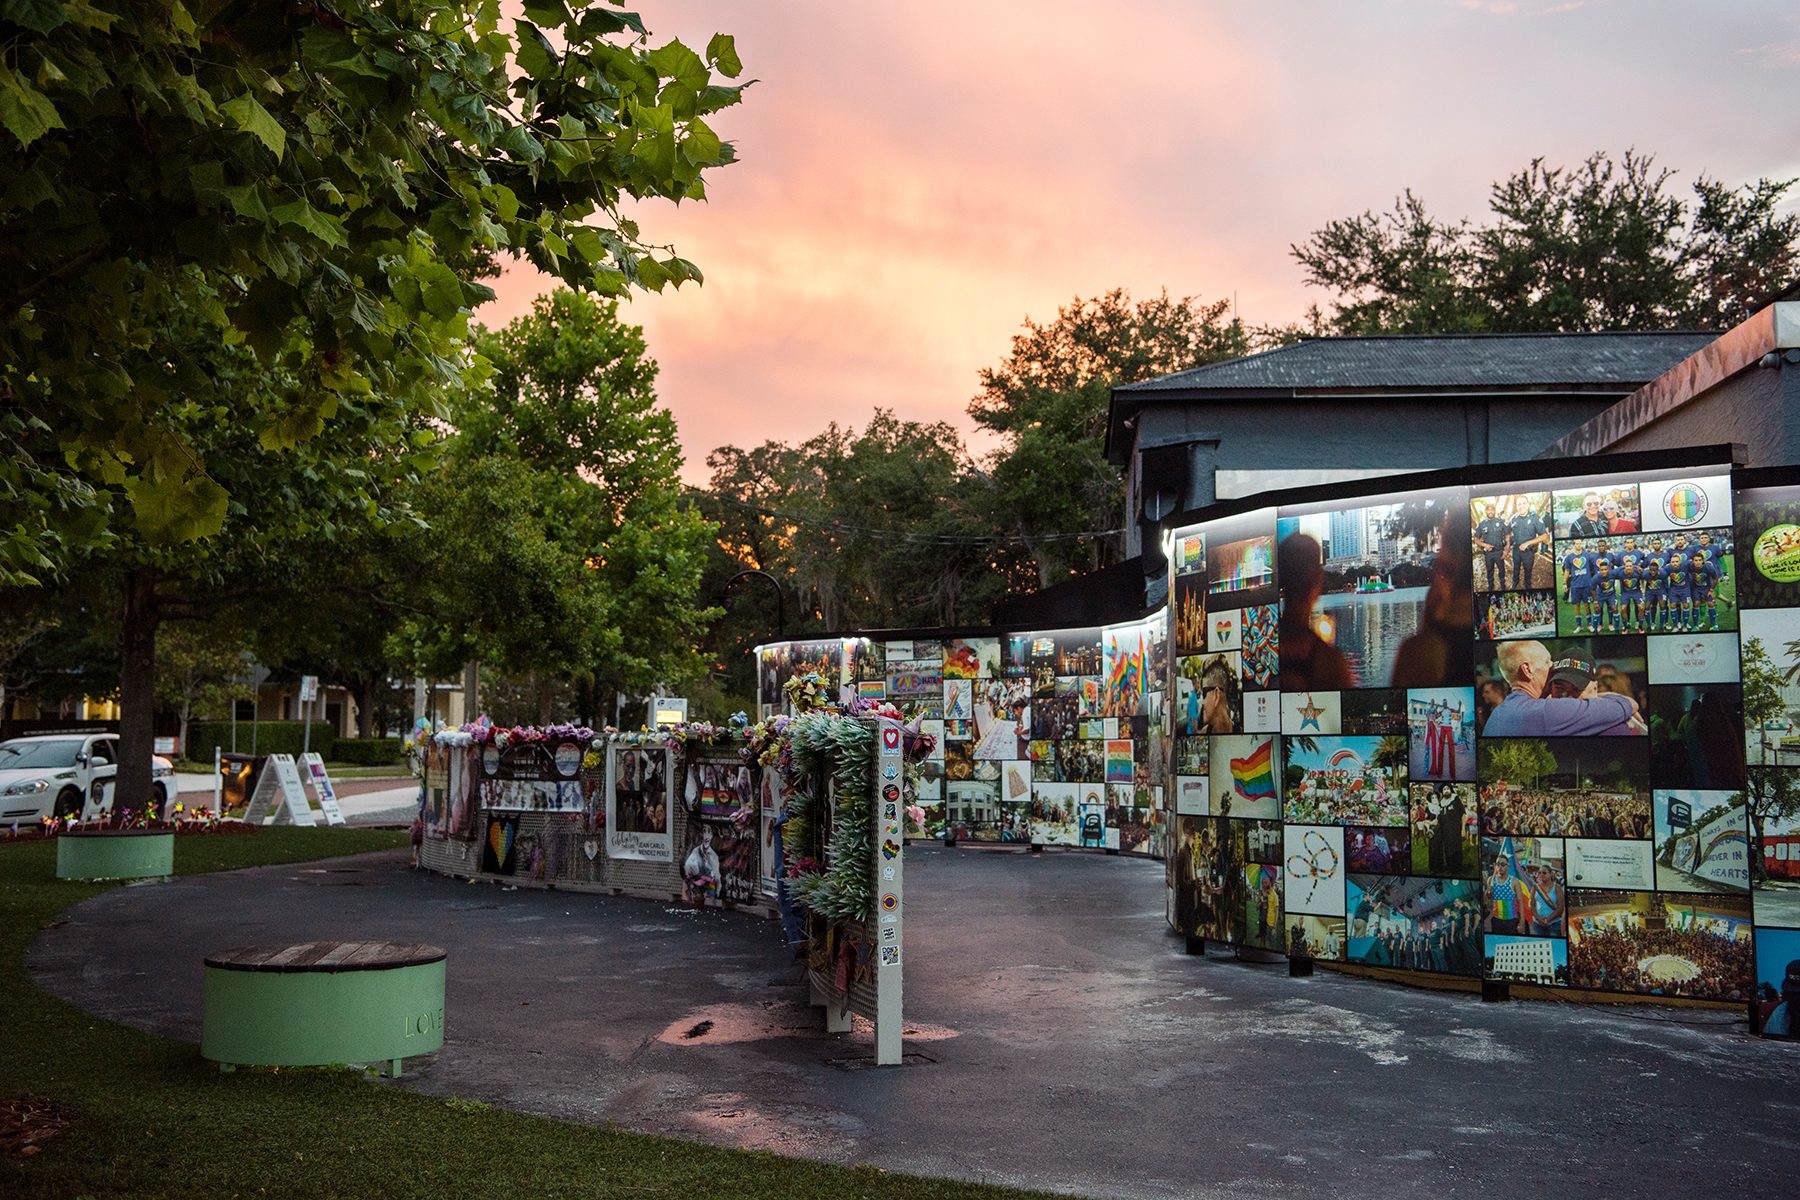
(318, 183)
(558, 542)
(1052, 489)
(1602, 245)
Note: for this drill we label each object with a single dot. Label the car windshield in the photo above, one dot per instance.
(18, 756)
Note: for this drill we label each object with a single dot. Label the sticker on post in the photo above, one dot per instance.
(890, 738)
(889, 902)
(887, 873)
(890, 956)
(890, 934)
(890, 849)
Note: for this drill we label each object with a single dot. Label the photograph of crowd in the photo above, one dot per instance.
(1444, 840)
(1377, 851)
(1696, 735)
(1373, 712)
(1441, 733)
(1510, 538)
(1376, 596)
(1310, 936)
(1191, 755)
(1561, 687)
(1346, 781)
(1696, 946)
(1209, 880)
(1565, 787)
(1415, 924)
(1053, 814)
(1515, 614)
(1647, 583)
(1124, 662)
(1262, 926)
(1523, 886)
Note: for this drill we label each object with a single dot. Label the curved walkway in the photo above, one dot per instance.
(1072, 1045)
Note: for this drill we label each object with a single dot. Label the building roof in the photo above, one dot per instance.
(1399, 364)
(1503, 360)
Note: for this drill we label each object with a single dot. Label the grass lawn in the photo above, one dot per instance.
(149, 1118)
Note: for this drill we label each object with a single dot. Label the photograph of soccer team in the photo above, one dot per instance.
(1586, 552)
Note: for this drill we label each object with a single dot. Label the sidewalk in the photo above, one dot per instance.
(364, 801)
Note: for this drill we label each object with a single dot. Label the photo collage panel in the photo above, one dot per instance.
(1223, 719)
(1378, 732)
(1767, 537)
(1608, 714)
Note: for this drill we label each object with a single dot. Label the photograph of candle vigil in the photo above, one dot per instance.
(1768, 535)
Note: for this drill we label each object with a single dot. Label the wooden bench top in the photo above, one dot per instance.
(104, 833)
(327, 956)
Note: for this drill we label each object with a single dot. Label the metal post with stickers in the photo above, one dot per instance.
(890, 889)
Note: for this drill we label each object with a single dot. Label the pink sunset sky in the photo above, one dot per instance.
(912, 183)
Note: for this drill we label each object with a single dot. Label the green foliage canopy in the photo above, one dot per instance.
(1602, 245)
(316, 181)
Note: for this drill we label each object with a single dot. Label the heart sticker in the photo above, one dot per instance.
(591, 848)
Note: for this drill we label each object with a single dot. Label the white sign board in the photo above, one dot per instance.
(279, 798)
(322, 787)
(309, 687)
(668, 710)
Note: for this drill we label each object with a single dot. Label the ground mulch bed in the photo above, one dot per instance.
(25, 1125)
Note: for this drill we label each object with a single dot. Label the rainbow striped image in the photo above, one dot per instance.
(1253, 777)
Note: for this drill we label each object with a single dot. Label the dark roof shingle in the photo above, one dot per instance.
(1402, 362)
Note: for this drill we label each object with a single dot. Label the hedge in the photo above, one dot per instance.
(367, 752)
(272, 737)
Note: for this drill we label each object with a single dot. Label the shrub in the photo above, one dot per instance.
(368, 752)
(272, 737)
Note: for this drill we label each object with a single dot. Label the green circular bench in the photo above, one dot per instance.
(115, 853)
(319, 1003)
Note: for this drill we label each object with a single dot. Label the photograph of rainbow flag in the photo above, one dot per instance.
(1245, 776)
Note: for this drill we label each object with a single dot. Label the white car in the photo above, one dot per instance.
(67, 775)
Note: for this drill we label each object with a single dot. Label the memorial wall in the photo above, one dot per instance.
(1537, 723)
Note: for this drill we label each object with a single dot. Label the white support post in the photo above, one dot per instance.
(890, 895)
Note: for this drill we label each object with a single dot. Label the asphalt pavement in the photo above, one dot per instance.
(1059, 1038)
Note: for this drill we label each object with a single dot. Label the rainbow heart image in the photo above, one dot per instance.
(500, 839)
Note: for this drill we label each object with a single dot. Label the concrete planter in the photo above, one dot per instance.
(115, 854)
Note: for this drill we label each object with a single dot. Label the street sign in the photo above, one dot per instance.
(668, 710)
(309, 688)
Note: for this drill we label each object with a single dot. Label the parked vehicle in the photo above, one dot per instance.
(67, 775)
